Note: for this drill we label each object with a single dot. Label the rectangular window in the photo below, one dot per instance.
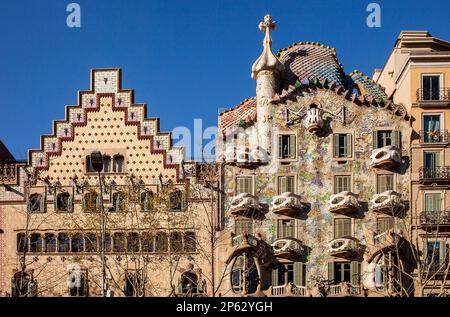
(244, 184)
(431, 87)
(384, 224)
(432, 126)
(286, 146)
(436, 255)
(384, 138)
(241, 226)
(385, 182)
(349, 272)
(286, 228)
(342, 227)
(342, 183)
(431, 164)
(432, 202)
(286, 184)
(342, 145)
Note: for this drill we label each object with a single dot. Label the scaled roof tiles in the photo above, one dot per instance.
(244, 113)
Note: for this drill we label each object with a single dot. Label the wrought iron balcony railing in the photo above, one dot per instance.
(435, 136)
(429, 95)
(434, 173)
(435, 218)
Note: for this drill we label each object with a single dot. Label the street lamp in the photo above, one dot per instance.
(96, 159)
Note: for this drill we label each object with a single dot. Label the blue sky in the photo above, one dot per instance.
(185, 59)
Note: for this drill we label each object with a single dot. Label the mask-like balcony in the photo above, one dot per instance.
(345, 247)
(313, 119)
(379, 244)
(343, 203)
(288, 290)
(245, 205)
(287, 204)
(387, 157)
(243, 243)
(388, 202)
(288, 248)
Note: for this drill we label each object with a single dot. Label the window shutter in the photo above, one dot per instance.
(335, 145)
(354, 272)
(348, 145)
(180, 287)
(292, 143)
(98, 202)
(299, 273)
(42, 203)
(375, 140)
(275, 277)
(331, 272)
(442, 255)
(55, 203)
(70, 203)
(280, 147)
(397, 139)
(283, 180)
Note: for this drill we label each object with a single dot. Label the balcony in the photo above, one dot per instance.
(344, 289)
(433, 137)
(245, 157)
(245, 205)
(387, 157)
(343, 203)
(388, 202)
(433, 97)
(345, 247)
(287, 290)
(435, 219)
(286, 204)
(288, 248)
(379, 244)
(244, 243)
(434, 174)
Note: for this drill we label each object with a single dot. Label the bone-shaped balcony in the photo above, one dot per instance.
(388, 202)
(313, 119)
(345, 247)
(288, 248)
(287, 204)
(343, 203)
(387, 157)
(245, 205)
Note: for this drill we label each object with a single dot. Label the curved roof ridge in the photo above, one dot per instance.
(280, 51)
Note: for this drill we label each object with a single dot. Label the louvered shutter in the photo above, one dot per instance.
(292, 143)
(299, 273)
(375, 140)
(98, 202)
(280, 146)
(282, 180)
(397, 139)
(335, 145)
(348, 145)
(290, 184)
(55, 202)
(275, 277)
(442, 254)
(354, 272)
(70, 203)
(331, 277)
(42, 203)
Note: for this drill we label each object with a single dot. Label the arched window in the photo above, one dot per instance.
(22, 242)
(244, 269)
(77, 283)
(50, 242)
(147, 242)
(63, 202)
(190, 242)
(147, 201)
(35, 242)
(36, 203)
(119, 242)
(118, 200)
(176, 242)
(177, 200)
(161, 242)
(133, 242)
(106, 164)
(118, 162)
(188, 283)
(89, 167)
(77, 243)
(91, 202)
(63, 242)
(90, 242)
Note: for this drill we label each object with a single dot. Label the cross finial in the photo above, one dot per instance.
(267, 60)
